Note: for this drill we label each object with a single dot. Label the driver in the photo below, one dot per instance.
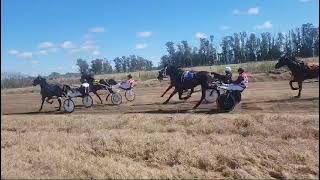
(240, 83)
(84, 88)
(126, 85)
(227, 78)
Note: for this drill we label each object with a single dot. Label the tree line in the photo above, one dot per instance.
(239, 47)
(121, 64)
(245, 47)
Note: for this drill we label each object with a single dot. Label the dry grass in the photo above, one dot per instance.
(256, 145)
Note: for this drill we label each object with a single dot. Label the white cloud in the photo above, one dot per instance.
(253, 11)
(46, 45)
(141, 46)
(225, 28)
(52, 50)
(87, 42)
(144, 34)
(67, 45)
(43, 52)
(96, 53)
(304, 1)
(265, 25)
(34, 62)
(236, 12)
(200, 35)
(75, 50)
(13, 52)
(25, 55)
(97, 29)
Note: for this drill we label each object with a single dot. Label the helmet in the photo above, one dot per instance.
(240, 70)
(228, 69)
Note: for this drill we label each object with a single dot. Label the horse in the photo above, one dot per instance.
(180, 82)
(299, 71)
(48, 91)
(162, 75)
(101, 85)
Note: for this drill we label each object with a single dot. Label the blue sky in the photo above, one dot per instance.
(42, 36)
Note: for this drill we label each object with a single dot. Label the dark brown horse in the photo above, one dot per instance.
(299, 71)
(202, 78)
(48, 91)
(162, 74)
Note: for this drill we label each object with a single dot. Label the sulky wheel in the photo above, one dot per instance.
(116, 98)
(130, 95)
(211, 95)
(226, 102)
(87, 101)
(68, 105)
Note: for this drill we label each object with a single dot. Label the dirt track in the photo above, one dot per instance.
(265, 97)
(269, 135)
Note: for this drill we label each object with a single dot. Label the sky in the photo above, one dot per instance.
(44, 36)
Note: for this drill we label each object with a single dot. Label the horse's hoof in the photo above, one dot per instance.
(165, 103)
(296, 97)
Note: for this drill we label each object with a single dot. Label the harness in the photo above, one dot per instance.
(95, 82)
(187, 75)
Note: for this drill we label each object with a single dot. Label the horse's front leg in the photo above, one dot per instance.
(300, 88)
(43, 98)
(290, 83)
(172, 94)
(202, 97)
(59, 100)
(96, 93)
(167, 90)
(49, 98)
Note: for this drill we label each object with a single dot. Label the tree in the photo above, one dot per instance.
(307, 31)
(54, 75)
(83, 66)
(264, 46)
(316, 42)
(236, 48)
(97, 66)
(107, 68)
(117, 62)
(251, 47)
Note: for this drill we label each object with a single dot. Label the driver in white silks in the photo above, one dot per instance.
(84, 88)
(240, 83)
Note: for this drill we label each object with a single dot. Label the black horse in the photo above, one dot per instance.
(101, 85)
(48, 91)
(299, 71)
(180, 83)
(162, 74)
